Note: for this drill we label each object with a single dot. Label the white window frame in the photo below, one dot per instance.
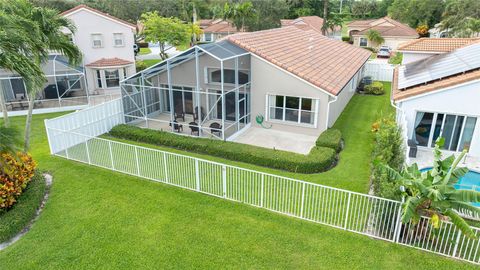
(119, 72)
(210, 70)
(205, 35)
(93, 35)
(314, 110)
(360, 42)
(122, 38)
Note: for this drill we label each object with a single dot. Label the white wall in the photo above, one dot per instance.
(463, 100)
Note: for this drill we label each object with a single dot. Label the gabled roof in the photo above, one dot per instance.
(218, 26)
(98, 12)
(326, 63)
(110, 62)
(387, 27)
(365, 23)
(437, 72)
(307, 23)
(436, 44)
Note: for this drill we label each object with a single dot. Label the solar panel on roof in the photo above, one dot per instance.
(439, 66)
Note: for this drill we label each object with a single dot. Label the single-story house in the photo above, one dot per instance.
(394, 32)
(312, 23)
(290, 81)
(439, 96)
(426, 47)
(216, 29)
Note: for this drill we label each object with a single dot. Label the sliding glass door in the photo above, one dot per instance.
(456, 129)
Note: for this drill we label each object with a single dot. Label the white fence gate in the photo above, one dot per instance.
(360, 213)
(379, 71)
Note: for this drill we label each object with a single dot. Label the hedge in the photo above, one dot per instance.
(318, 160)
(331, 138)
(376, 88)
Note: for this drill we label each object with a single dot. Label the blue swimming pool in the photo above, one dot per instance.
(470, 180)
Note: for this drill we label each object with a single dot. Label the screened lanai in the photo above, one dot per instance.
(204, 91)
(65, 86)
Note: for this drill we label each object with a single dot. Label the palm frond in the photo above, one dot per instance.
(410, 209)
(465, 206)
(466, 196)
(460, 223)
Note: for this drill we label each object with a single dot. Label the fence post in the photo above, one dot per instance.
(262, 189)
(88, 152)
(303, 200)
(456, 243)
(111, 154)
(197, 176)
(348, 211)
(136, 159)
(165, 167)
(224, 180)
(398, 225)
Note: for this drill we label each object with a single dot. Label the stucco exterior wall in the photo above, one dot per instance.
(462, 100)
(269, 79)
(337, 107)
(392, 42)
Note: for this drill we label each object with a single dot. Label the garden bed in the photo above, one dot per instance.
(321, 158)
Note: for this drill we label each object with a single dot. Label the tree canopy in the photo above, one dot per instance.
(417, 12)
(462, 18)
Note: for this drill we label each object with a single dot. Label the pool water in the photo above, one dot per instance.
(470, 181)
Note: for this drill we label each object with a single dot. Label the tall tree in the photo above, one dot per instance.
(239, 13)
(50, 38)
(415, 12)
(364, 8)
(375, 37)
(325, 17)
(461, 17)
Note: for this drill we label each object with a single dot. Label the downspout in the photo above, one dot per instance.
(403, 119)
(335, 98)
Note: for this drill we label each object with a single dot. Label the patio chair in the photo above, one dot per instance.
(179, 113)
(176, 126)
(216, 128)
(195, 113)
(194, 128)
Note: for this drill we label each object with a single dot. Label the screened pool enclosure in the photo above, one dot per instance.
(65, 86)
(204, 91)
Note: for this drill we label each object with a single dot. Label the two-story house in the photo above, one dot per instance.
(106, 43)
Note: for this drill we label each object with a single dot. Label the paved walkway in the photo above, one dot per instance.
(276, 139)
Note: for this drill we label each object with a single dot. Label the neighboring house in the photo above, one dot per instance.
(312, 23)
(426, 47)
(394, 32)
(437, 32)
(106, 43)
(439, 96)
(296, 81)
(216, 29)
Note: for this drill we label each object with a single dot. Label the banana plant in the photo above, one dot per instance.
(432, 193)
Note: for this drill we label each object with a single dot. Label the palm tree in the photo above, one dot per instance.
(432, 193)
(8, 139)
(375, 37)
(325, 17)
(50, 38)
(239, 13)
(17, 47)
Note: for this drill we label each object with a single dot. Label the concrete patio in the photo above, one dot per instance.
(425, 157)
(281, 140)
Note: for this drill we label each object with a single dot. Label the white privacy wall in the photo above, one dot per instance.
(463, 100)
(379, 71)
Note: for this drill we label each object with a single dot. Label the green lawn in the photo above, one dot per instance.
(150, 62)
(353, 170)
(98, 219)
(145, 51)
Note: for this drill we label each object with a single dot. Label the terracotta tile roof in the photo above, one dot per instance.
(432, 86)
(388, 27)
(365, 23)
(326, 63)
(109, 62)
(65, 13)
(219, 26)
(307, 23)
(436, 44)
(286, 22)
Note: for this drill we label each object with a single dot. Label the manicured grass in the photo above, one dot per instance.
(16, 218)
(150, 62)
(98, 219)
(145, 51)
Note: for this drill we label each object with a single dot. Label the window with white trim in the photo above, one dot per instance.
(99, 79)
(112, 78)
(118, 40)
(97, 40)
(292, 109)
(363, 42)
(214, 76)
(207, 36)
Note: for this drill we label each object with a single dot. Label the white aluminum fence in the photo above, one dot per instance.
(92, 121)
(379, 71)
(361, 213)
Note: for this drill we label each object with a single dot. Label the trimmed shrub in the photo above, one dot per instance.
(15, 173)
(376, 88)
(388, 149)
(331, 138)
(346, 39)
(318, 160)
(140, 65)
